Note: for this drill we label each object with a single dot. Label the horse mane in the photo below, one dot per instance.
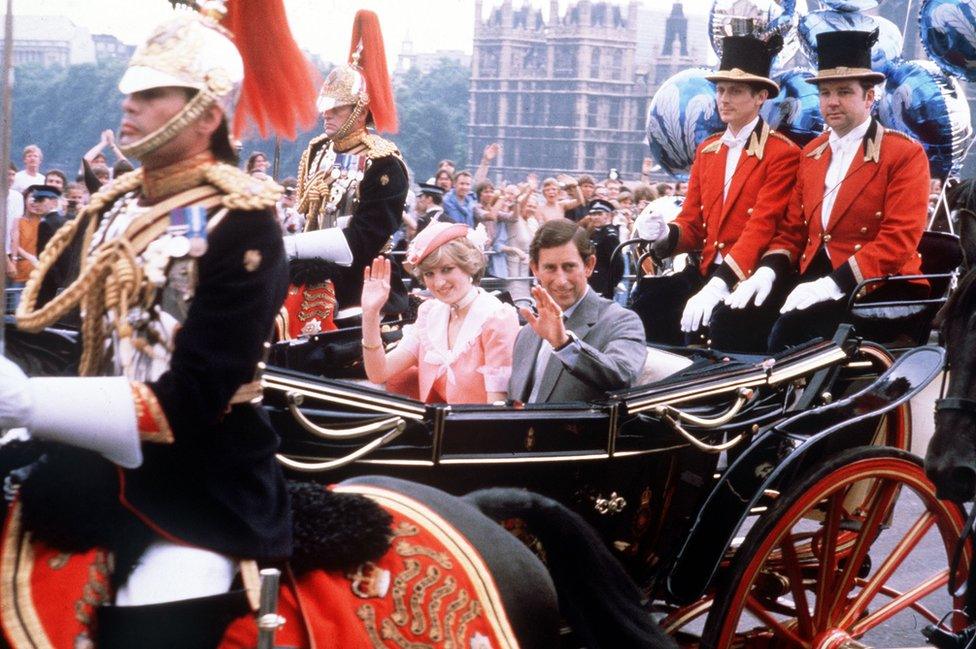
(960, 298)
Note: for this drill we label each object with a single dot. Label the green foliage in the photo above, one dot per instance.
(64, 111)
(433, 110)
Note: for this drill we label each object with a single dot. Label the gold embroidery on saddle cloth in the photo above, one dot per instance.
(390, 632)
(420, 589)
(405, 549)
(96, 590)
(474, 610)
(434, 607)
(463, 599)
(400, 591)
(406, 529)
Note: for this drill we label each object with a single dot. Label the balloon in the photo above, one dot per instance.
(890, 40)
(850, 5)
(682, 113)
(948, 30)
(795, 112)
(931, 107)
(767, 17)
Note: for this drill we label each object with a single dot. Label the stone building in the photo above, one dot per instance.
(568, 92)
(558, 93)
(41, 41)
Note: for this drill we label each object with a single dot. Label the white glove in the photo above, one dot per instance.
(810, 293)
(329, 244)
(650, 226)
(94, 413)
(698, 310)
(758, 286)
(15, 402)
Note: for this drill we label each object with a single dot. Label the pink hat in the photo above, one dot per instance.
(431, 238)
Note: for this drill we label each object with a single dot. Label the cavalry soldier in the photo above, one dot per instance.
(737, 193)
(163, 461)
(352, 184)
(858, 208)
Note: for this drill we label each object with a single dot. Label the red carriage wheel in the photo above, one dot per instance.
(825, 562)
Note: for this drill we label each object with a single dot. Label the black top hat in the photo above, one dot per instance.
(431, 190)
(747, 59)
(845, 55)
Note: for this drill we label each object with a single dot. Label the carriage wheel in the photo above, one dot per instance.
(815, 571)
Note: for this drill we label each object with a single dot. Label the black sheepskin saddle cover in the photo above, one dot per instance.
(69, 500)
(309, 272)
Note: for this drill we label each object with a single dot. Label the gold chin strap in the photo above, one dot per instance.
(350, 123)
(192, 111)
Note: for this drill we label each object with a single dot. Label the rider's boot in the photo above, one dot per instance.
(188, 624)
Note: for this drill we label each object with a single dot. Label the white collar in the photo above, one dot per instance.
(856, 134)
(484, 305)
(740, 138)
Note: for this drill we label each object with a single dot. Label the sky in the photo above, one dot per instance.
(320, 26)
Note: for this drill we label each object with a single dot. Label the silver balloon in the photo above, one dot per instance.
(887, 49)
(931, 107)
(850, 5)
(795, 112)
(681, 114)
(948, 29)
(761, 18)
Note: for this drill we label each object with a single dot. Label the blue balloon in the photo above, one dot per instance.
(948, 30)
(682, 113)
(850, 5)
(887, 49)
(795, 112)
(931, 107)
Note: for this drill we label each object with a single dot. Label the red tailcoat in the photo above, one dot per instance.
(879, 214)
(741, 225)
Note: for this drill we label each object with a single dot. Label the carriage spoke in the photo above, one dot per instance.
(901, 602)
(791, 563)
(891, 563)
(879, 507)
(828, 559)
(756, 608)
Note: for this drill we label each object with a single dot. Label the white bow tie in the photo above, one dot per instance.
(734, 141)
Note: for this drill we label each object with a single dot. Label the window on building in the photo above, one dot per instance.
(512, 111)
(486, 108)
(592, 108)
(617, 67)
(562, 108)
(594, 62)
(488, 62)
(565, 62)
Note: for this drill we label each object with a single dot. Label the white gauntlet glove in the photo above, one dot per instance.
(329, 244)
(94, 413)
(758, 286)
(698, 310)
(810, 293)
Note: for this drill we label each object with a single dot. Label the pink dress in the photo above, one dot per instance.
(481, 359)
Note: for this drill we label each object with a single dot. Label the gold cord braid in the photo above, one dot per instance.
(242, 191)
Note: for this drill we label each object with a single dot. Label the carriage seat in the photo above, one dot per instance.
(660, 364)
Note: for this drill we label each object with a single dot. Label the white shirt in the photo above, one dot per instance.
(842, 150)
(23, 180)
(735, 143)
(15, 209)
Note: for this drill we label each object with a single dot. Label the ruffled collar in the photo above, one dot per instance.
(438, 318)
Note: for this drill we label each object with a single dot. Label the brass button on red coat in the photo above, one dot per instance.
(857, 247)
(721, 246)
(749, 211)
(826, 238)
(864, 230)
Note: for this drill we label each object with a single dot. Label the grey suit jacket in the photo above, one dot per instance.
(612, 355)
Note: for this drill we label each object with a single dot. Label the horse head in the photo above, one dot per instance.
(950, 461)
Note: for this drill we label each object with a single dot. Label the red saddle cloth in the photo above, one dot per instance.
(308, 310)
(431, 589)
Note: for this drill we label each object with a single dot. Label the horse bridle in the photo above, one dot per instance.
(961, 404)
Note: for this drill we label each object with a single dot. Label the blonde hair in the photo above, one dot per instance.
(461, 252)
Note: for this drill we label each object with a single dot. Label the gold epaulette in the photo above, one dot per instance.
(306, 160)
(243, 191)
(714, 146)
(377, 147)
(817, 151)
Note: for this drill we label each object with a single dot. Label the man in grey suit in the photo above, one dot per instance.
(598, 347)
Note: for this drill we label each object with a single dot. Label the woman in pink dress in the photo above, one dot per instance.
(462, 341)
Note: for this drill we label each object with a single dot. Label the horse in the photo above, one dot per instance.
(378, 562)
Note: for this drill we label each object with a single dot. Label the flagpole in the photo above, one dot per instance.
(7, 69)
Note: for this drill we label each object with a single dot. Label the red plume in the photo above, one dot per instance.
(279, 87)
(372, 61)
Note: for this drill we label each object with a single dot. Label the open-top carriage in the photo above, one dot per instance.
(753, 499)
